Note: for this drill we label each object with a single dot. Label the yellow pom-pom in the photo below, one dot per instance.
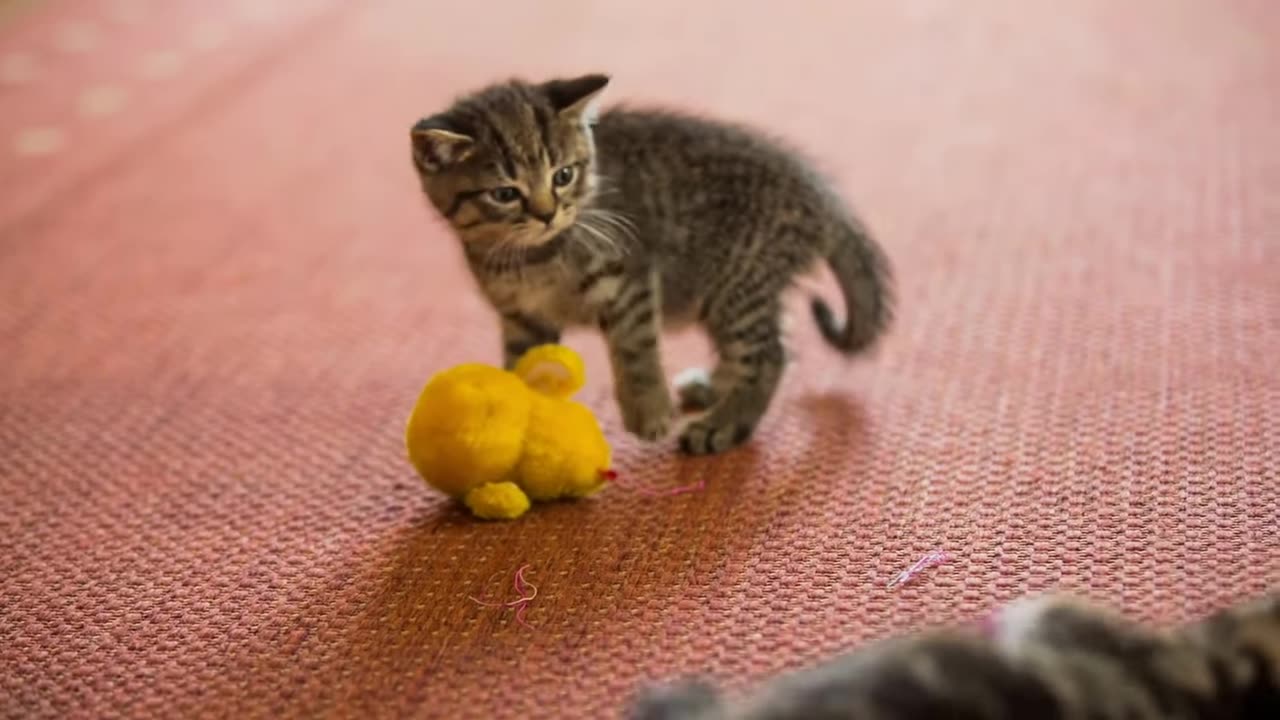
(553, 370)
(468, 428)
(564, 451)
(498, 501)
(499, 440)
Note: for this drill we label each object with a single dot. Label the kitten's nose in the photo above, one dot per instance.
(542, 205)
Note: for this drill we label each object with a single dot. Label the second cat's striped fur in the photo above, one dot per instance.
(640, 220)
(1048, 658)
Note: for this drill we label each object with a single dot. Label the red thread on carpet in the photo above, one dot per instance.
(931, 559)
(521, 604)
(649, 490)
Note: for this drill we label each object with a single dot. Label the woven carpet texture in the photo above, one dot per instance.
(220, 293)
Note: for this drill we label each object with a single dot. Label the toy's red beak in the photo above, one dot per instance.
(608, 475)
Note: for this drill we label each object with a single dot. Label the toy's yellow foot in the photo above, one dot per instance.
(497, 501)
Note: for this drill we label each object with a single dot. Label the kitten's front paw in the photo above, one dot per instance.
(707, 437)
(648, 415)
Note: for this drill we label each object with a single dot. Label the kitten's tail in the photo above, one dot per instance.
(867, 284)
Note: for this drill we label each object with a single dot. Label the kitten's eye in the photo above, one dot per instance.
(564, 176)
(505, 194)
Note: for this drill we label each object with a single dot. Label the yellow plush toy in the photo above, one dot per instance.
(496, 439)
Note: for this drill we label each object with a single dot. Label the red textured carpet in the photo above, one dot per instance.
(220, 294)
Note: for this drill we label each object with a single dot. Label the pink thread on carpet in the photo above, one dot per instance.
(527, 591)
(931, 559)
(649, 490)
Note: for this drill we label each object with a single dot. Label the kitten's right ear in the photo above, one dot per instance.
(436, 145)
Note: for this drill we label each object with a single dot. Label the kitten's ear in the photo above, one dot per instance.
(575, 98)
(436, 145)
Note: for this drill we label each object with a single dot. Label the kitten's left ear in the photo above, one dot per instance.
(575, 98)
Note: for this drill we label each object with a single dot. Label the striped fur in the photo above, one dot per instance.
(1050, 658)
(657, 220)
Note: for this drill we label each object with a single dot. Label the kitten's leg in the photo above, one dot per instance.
(748, 339)
(631, 325)
(521, 334)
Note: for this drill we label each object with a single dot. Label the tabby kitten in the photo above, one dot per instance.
(640, 220)
(1050, 658)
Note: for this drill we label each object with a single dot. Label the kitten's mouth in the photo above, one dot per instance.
(541, 237)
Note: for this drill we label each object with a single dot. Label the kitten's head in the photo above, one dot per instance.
(512, 163)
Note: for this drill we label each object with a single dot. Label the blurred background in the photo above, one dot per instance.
(220, 292)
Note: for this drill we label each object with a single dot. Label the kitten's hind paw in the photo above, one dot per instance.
(706, 437)
(693, 386)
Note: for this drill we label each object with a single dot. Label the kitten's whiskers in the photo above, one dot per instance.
(611, 232)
